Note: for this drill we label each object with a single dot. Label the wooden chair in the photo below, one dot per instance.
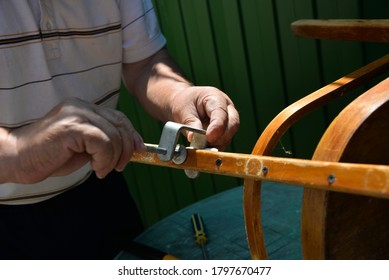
(336, 225)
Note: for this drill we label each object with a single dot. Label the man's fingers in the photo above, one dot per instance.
(130, 139)
(118, 128)
(89, 139)
(223, 120)
(231, 129)
(210, 109)
(107, 137)
(191, 118)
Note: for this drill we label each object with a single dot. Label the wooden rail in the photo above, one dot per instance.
(343, 29)
(363, 179)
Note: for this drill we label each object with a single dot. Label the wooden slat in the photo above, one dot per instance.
(343, 29)
(362, 179)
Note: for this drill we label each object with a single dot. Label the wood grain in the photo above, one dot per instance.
(368, 30)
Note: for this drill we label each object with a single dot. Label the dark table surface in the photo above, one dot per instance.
(224, 224)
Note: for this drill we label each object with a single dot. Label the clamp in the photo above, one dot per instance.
(169, 149)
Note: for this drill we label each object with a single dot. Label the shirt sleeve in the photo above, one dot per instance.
(142, 36)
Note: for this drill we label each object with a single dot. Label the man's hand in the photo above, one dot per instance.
(208, 108)
(161, 89)
(71, 134)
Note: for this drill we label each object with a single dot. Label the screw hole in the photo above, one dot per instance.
(331, 178)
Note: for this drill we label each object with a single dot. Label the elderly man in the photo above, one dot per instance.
(62, 143)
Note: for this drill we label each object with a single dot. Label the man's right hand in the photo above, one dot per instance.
(71, 134)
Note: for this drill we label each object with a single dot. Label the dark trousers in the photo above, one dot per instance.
(92, 221)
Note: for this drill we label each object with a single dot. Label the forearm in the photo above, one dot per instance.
(7, 156)
(166, 95)
(155, 82)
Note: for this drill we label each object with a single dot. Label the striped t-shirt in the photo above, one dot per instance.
(54, 49)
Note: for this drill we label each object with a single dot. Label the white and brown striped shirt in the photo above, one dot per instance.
(54, 49)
